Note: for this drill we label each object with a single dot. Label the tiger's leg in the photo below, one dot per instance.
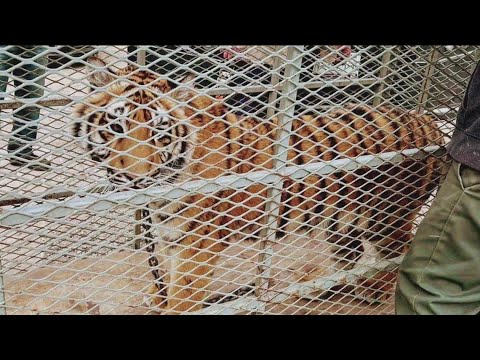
(390, 238)
(156, 296)
(345, 236)
(343, 248)
(192, 264)
(343, 211)
(403, 190)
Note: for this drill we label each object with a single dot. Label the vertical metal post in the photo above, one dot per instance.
(3, 309)
(272, 98)
(386, 57)
(432, 61)
(141, 60)
(138, 229)
(476, 57)
(272, 208)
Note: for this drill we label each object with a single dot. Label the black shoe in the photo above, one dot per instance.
(31, 161)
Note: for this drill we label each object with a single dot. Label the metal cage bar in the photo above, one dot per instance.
(435, 55)
(384, 70)
(3, 309)
(93, 202)
(292, 74)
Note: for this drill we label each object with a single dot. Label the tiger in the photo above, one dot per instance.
(147, 130)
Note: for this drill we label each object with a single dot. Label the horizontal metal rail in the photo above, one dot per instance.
(301, 290)
(9, 200)
(98, 203)
(231, 307)
(3, 310)
(450, 58)
(214, 92)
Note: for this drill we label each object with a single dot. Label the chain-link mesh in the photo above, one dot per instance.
(218, 179)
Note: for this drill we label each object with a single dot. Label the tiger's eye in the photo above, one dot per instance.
(116, 128)
(165, 140)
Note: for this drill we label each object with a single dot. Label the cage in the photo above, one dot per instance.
(218, 179)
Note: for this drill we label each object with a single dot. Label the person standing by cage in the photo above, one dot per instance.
(440, 274)
(26, 64)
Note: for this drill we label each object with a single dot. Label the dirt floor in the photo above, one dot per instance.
(116, 284)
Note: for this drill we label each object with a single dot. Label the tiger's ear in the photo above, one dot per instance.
(184, 91)
(101, 74)
(188, 79)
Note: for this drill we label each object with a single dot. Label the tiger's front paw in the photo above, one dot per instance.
(378, 288)
(155, 299)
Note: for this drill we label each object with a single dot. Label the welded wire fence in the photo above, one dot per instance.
(218, 179)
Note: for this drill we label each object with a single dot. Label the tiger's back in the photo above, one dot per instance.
(375, 203)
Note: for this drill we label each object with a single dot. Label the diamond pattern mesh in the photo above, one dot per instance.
(218, 179)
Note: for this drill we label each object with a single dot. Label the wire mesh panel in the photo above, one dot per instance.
(218, 179)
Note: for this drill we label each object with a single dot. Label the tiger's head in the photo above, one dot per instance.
(135, 125)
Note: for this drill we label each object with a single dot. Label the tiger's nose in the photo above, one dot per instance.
(131, 165)
(117, 173)
(132, 155)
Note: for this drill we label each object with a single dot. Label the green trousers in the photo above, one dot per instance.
(26, 65)
(440, 275)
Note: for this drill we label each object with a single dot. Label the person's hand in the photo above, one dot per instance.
(228, 54)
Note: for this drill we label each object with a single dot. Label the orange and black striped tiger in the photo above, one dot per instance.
(147, 130)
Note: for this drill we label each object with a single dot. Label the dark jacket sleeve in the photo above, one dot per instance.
(465, 144)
